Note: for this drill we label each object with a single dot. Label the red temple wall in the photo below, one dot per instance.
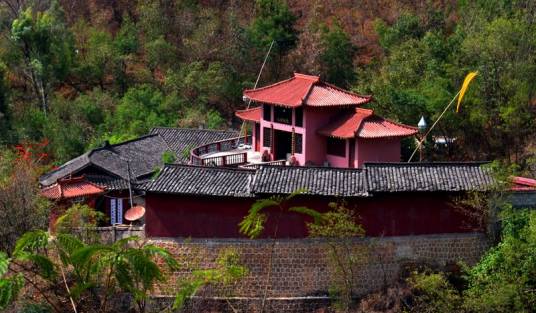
(382, 215)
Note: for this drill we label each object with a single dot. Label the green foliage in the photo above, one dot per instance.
(79, 220)
(503, 280)
(126, 41)
(194, 60)
(91, 275)
(169, 157)
(434, 293)
(10, 286)
(339, 227)
(214, 120)
(97, 270)
(35, 308)
(273, 22)
(160, 54)
(407, 26)
(21, 207)
(339, 222)
(46, 48)
(337, 57)
(252, 225)
(426, 59)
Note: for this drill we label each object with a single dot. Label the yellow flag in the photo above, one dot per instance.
(465, 85)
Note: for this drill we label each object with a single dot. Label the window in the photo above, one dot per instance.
(266, 136)
(336, 147)
(267, 112)
(298, 143)
(116, 211)
(283, 115)
(298, 113)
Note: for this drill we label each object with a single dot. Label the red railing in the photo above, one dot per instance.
(220, 146)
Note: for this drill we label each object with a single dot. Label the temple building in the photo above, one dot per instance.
(337, 148)
(305, 121)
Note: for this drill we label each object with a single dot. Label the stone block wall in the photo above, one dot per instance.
(111, 234)
(300, 272)
(522, 199)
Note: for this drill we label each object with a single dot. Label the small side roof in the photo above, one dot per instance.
(71, 188)
(362, 123)
(253, 115)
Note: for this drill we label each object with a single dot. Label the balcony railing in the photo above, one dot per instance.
(231, 159)
(257, 165)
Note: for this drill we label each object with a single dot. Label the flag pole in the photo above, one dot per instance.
(243, 128)
(419, 144)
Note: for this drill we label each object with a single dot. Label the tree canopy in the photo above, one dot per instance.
(80, 75)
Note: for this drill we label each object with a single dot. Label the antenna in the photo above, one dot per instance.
(255, 87)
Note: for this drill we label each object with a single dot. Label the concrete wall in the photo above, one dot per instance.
(301, 271)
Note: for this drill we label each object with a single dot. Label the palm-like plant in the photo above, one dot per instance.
(91, 274)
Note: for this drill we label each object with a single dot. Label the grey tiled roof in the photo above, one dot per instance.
(315, 180)
(322, 181)
(448, 176)
(143, 155)
(196, 180)
(180, 140)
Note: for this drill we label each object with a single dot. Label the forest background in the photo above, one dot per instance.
(75, 73)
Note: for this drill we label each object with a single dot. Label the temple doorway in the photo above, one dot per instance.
(282, 144)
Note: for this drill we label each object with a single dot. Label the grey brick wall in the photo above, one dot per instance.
(301, 272)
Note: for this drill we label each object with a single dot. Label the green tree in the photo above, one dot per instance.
(503, 281)
(337, 56)
(138, 111)
(46, 49)
(21, 206)
(273, 22)
(433, 293)
(339, 227)
(96, 56)
(5, 111)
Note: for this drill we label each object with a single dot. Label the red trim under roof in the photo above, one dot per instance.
(71, 188)
(253, 114)
(305, 90)
(364, 124)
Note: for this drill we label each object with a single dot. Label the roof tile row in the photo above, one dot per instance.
(321, 181)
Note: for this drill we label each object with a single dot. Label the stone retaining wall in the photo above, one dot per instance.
(302, 270)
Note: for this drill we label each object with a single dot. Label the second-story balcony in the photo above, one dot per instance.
(229, 152)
